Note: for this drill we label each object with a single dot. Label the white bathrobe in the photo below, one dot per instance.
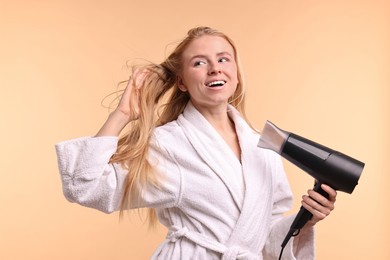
(214, 206)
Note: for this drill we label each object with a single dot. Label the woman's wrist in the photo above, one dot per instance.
(119, 118)
(114, 124)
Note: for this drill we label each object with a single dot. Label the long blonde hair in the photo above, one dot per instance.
(161, 101)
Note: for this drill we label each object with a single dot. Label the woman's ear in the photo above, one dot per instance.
(180, 84)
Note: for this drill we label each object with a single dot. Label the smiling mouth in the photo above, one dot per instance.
(217, 83)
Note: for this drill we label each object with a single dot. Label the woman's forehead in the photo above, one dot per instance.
(208, 45)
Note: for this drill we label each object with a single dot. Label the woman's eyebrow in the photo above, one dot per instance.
(202, 56)
(224, 53)
(199, 56)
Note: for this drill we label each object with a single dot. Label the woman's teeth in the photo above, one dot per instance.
(217, 83)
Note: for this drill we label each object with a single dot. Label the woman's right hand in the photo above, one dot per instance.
(129, 102)
(128, 107)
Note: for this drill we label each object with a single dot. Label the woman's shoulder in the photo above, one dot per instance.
(168, 127)
(168, 139)
(167, 132)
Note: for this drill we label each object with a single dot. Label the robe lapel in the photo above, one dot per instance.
(255, 202)
(254, 218)
(214, 151)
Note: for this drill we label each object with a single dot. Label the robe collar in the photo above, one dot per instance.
(213, 149)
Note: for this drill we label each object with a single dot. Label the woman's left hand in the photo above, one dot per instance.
(319, 205)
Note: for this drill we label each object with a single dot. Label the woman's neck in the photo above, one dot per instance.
(218, 118)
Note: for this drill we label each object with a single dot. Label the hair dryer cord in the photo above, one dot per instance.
(301, 219)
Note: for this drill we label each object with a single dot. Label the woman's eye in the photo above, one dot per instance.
(198, 63)
(223, 60)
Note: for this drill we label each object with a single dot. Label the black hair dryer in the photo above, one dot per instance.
(325, 165)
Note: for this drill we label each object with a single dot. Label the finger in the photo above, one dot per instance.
(327, 202)
(128, 103)
(133, 85)
(125, 96)
(139, 76)
(317, 215)
(317, 197)
(314, 204)
(332, 192)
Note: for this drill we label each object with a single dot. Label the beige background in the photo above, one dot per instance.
(316, 68)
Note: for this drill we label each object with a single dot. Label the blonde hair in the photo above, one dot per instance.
(161, 101)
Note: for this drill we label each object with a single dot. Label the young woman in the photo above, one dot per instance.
(188, 154)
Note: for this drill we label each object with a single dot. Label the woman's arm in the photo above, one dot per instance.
(88, 177)
(114, 124)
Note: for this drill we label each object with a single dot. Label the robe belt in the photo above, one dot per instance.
(228, 253)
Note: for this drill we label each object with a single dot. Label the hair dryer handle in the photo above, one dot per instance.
(303, 216)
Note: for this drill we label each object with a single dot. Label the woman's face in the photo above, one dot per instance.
(209, 72)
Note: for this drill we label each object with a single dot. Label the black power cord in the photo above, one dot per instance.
(301, 219)
(291, 233)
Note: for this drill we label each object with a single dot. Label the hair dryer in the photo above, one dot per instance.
(325, 165)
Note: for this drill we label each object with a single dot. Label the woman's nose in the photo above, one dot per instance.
(214, 68)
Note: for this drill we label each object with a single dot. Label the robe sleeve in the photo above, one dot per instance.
(300, 247)
(90, 180)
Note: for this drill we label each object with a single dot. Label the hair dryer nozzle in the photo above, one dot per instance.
(273, 138)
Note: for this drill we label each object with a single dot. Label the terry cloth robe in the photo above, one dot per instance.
(214, 205)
